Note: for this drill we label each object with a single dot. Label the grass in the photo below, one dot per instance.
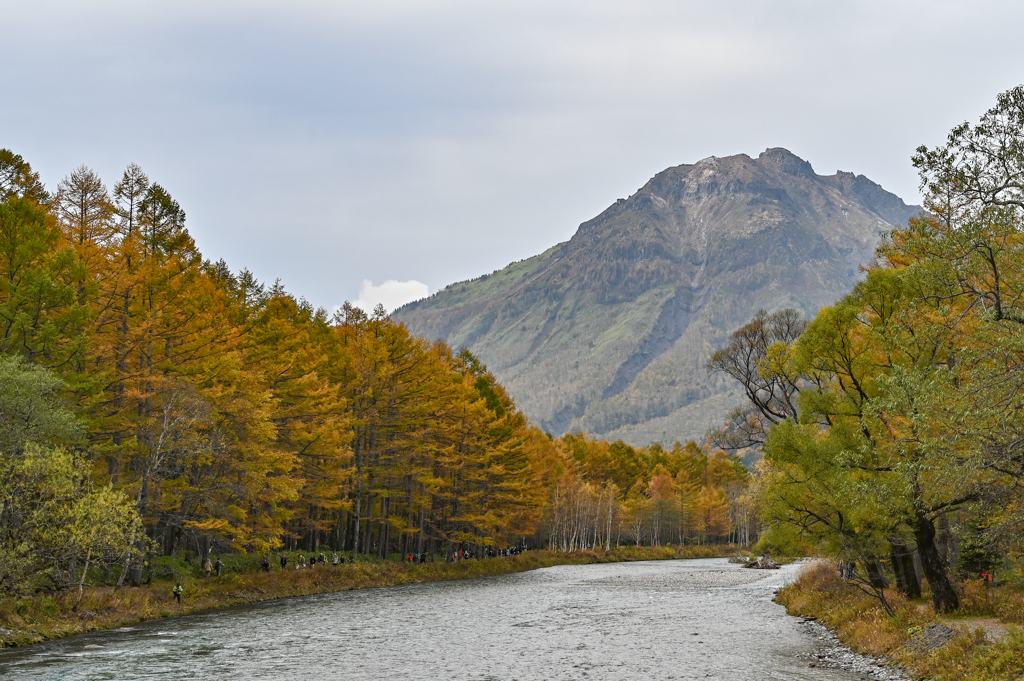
(27, 620)
(861, 624)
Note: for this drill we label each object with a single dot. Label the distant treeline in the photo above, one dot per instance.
(153, 402)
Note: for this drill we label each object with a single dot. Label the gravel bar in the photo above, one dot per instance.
(834, 655)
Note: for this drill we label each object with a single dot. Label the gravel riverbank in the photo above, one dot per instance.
(834, 655)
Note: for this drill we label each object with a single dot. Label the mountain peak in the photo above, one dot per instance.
(786, 161)
(610, 332)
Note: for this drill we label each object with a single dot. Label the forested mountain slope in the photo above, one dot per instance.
(609, 333)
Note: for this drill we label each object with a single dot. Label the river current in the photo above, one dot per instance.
(682, 619)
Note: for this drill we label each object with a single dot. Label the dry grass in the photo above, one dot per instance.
(857, 619)
(38, 618)
(980, 599)
(861, 623)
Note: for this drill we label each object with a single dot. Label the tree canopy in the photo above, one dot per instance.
(894, 419)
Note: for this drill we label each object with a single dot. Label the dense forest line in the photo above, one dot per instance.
(891, 423)
(154, 403)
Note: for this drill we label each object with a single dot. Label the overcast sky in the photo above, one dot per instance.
(342, 145)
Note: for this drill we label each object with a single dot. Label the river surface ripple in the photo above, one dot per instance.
(681, 619)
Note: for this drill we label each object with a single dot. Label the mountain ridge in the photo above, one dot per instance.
(609, 331)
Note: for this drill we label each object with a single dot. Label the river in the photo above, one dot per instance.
(681, 619)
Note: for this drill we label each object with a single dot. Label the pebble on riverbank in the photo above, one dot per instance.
(834, 655)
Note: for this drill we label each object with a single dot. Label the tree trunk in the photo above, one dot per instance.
(136, 569)
(339, 538)
(124, 570)
(368, 539)
(385, 527)
(419, 539)
(944, 596)
(875, 575)
(608, 535)
(942, 537)
(903, 566)
(81, 582)
(357, 450)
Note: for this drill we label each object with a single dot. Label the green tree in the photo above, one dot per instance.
(18, 180)
(39, 317)
(31, 408)
(51, 515)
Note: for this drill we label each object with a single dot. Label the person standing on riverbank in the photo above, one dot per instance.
(177, 590)
(208, 567)
(219, 567)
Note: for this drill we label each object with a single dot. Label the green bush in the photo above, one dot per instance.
(48, 605)
(171, 568)
(240, 563)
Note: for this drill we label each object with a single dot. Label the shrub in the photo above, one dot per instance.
(171, 568)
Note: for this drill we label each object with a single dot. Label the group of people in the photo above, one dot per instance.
(300, 564)
(487, 552)
(510, 551)
(218, 566)
(209, 567)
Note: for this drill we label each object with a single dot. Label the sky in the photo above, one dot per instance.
(378, 151)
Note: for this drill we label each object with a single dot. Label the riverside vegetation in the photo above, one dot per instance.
(968, 646)
(892, 424)
(157, 407)
(48, 616)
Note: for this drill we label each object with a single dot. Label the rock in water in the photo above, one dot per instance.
(762, 564)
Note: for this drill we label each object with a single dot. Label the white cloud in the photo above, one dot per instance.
(391, 294)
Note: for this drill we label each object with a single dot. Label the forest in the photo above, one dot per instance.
(891, 423)
(156, 405)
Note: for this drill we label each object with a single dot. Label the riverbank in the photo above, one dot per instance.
(984, 641)
(652, 620)
(34, 619)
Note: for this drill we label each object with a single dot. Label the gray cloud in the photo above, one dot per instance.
(331, 142)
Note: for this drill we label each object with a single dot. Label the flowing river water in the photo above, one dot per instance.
(680, 619)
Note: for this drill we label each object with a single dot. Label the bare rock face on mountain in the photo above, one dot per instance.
(609, 333)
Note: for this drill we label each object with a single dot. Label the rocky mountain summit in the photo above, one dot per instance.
(609, 332)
